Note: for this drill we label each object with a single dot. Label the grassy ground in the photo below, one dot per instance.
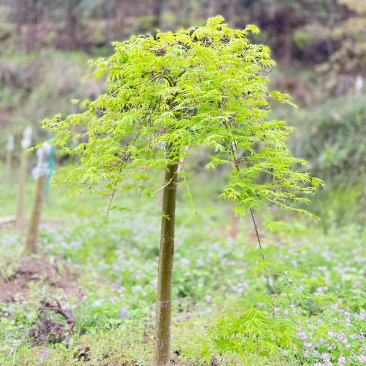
(106, 277)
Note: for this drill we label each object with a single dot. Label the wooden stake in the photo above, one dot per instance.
(22, 179)
(40, 172)
(32, 237)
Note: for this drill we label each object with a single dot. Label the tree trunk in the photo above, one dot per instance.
(108, 16)
(220, 7)
(288, 46)
(31, 243)
(164, 290)
(22, 178)
(186, 21)
(19, 17)
(157, 7)
(72, 25)
(232, 11)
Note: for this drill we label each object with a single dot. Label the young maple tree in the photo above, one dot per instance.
(199, 87)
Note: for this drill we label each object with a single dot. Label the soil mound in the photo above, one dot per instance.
(46, 271)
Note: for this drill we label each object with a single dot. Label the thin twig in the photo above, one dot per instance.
(234, 150)
(261, 254)
(212, 42)
(110, 202)
(256, 231)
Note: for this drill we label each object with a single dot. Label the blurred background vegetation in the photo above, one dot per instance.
(319, 46)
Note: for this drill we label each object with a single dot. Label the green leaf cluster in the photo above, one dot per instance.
(256, 331)
(203, 87)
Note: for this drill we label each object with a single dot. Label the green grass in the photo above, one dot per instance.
(116, 267)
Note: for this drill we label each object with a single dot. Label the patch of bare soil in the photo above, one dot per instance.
(46, 271)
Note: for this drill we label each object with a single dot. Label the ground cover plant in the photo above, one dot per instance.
(195, 88)
(111, 286)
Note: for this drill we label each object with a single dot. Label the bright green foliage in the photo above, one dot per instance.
(204, 87)
(254, 332)
(264, 332)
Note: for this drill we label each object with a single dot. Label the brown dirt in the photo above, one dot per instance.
(42, 270)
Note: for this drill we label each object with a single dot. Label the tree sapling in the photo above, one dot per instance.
(202, 88)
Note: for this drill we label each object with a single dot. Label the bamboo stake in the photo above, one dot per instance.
(22, 174)
(27, 135)
(40, 173)
(358, 84)
(32, 237)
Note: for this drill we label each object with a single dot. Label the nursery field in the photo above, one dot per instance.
(182, 183)
(104, 280)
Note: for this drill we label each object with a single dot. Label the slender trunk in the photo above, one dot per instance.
(164, 290)
(232, 11)
(157, 7)
(19, 17)
(72, 25)
(288, 45)
(31, 243)
(108, 16)
(220, 7)
(22, 177)
(28, 34)
(45, 11)
(187, 14)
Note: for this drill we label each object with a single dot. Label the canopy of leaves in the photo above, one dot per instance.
(202, 87)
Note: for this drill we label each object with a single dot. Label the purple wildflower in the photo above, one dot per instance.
(123, 312)
(302, 335)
